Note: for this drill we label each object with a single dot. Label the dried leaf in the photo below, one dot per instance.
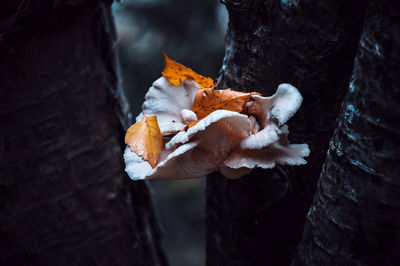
(145, 139)
(177, 73)
(189, 126)
(207, 101)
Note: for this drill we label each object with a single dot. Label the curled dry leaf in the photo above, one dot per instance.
(209, 100)
(177, 73)
(145, 139)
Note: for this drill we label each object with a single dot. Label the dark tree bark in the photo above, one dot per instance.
(64, 196)
(355, 215)
(259, 219)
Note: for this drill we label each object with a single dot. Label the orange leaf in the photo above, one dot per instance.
(145, 139)
(189, 126)
(176, 73)
(207, 101)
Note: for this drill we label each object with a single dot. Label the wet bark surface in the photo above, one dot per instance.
(259, 219)
(355, 215)
(64, 196)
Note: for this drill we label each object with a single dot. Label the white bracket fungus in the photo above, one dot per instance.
(231, 142)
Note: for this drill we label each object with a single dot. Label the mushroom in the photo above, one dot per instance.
(173, 164)
(195, 152)
(270, 113)
(231, 142)
(269, 146)
(218, 127)
(168, 103)
(280, 152)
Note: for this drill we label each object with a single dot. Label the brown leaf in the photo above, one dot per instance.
(177, 73)
(207, 101)
(145, 139)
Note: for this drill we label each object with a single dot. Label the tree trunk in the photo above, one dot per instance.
(64, 196)
(259, 219)
(355, 215)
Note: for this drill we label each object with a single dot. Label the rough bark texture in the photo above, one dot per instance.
(259, 219)
(355, 215)
(64, 197)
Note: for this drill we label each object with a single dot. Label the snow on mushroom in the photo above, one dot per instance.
(233, 141)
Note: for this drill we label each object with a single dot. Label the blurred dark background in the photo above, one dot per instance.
(192, 33)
